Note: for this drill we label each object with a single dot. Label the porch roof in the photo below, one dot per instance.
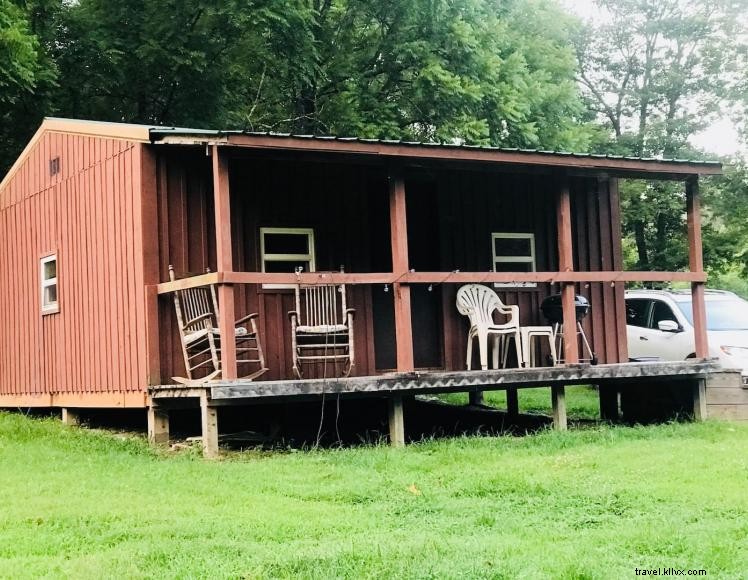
(414, 150)
(406, 151)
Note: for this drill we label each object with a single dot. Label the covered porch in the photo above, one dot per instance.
(402, 227)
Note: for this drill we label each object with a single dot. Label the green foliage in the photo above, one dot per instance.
(93, 505)
(497, 72)
(581, 402)
(19, 54)
(726, 216)
(656, 73)
(26, 75)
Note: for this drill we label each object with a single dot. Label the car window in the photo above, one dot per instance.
(637, 311)
(661, 311)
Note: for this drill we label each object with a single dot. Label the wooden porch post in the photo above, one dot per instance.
(225, 262)
(158, 423)
(209, 426)
(399, 237)
(568, 295)
(396, 420)
(566, 264)
(558, 403)
(696, 262)
(70, 417)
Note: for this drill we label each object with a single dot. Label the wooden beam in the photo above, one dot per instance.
(451, 381)
(699, 400)
(70, 417)
(209, 427)
(566, 264)
(456, 153)
(79, 400)
(608, 396)
(571, 341)
(558, 402)
(396, 421)
(225, 262)
(158, 424)
(696, 263)
(401, 293)
(512, 401)
(191, 282)
(425, 278)
(147, 258)
(476, 398)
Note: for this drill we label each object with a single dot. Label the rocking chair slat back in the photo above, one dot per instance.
(322, 327)
(321, 304)
(198, 318)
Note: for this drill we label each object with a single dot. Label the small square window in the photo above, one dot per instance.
(513, 252)
(50, 303)
(286, 250)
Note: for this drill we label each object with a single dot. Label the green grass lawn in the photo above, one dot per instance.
(581, 402)
(588, 503)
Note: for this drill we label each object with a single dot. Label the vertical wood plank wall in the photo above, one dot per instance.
(472, 205)
(88, 214)
(451, 215)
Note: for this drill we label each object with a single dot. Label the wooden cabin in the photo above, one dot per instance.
(92, 216)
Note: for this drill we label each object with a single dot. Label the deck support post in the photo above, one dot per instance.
(558, 401)
(401, 292)
(70, 417)
(476, 398)
(699, 400)
(696, 263)
(566, 264)
(158, 424)
(225, 262)
(512, 401)
(209, 425)
(396, 420)
(608, 402)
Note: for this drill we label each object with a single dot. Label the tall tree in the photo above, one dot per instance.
(476, 71)
(656, 73)
(27, 74)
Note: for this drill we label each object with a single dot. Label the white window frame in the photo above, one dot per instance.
(308, 257)
(497, 259)
(44, 283)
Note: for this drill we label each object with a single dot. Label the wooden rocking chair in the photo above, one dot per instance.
(197, 318)
(322, 328)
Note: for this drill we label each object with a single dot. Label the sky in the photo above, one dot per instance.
(720, 138)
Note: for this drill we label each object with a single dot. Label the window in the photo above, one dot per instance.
(513, 253)
(637, 312)
(50, 302)
(660, 312)
(286, 250)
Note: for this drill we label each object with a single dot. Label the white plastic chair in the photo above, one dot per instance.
(479, 303)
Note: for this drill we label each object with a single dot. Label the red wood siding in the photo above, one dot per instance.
(451, 214)
(89, 215)
(597, 247)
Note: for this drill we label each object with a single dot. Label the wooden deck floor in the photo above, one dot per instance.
(441, 382)
(613, 379)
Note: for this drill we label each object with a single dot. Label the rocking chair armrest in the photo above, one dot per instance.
(350, 311)
(292, 314)
(246, 318)
(189, 323)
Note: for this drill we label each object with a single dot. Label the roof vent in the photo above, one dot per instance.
(54, 166)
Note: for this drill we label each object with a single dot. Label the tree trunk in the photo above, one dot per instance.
(305, 122)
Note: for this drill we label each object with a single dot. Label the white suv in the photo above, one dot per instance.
(659, 324)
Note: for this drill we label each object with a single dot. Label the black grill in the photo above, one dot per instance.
(553, 310)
